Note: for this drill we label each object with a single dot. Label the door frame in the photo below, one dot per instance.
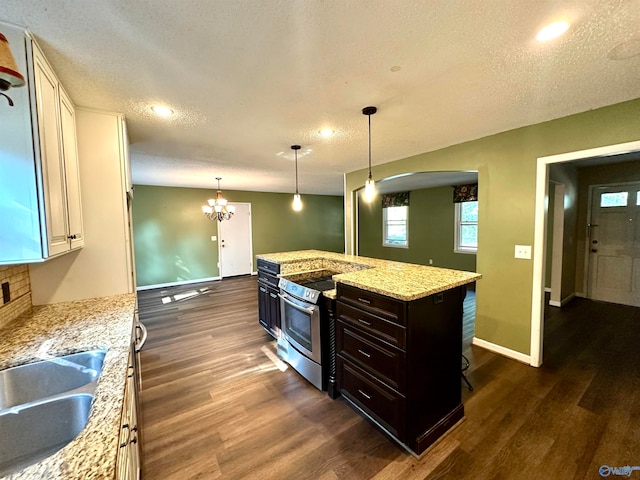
(557, 240)
(250, 240)
(539, 240)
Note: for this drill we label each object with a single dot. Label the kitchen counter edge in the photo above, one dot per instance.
(403, 281)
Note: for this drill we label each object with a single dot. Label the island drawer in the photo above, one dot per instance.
(380, 305)
(267, 279)
(268, 267)
(384, 361)
(377, 400)
(390, 332)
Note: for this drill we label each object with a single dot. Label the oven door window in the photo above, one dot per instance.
(298, 326)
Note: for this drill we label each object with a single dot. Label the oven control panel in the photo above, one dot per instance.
(303, 293)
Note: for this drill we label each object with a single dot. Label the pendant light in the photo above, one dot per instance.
(369, 184)
(297, 201)
(217, 208)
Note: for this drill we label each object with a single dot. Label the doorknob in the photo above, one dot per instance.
(594, 250)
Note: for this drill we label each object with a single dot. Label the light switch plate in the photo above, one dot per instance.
(523, 251)
(213, 238)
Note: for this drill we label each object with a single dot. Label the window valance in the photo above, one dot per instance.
(465, 193)
(398, 199)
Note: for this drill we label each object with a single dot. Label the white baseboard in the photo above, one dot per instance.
(564, 301)
(581, 295)
(174, 284)
(507, 352)
(547, 289)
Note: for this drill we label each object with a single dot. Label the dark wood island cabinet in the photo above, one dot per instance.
(268, 301)
(394, 339)
(398, 362)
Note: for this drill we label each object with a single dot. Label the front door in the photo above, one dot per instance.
(614, 244)
(236, 252)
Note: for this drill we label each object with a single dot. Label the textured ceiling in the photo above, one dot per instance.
(249, 78)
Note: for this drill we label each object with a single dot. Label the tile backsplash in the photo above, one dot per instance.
(20, 291)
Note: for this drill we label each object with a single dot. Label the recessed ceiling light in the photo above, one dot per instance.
(162, 110)
(552, 31)
(326, 132)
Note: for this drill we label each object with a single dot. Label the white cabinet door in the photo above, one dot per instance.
(51, 156)
(72, 170)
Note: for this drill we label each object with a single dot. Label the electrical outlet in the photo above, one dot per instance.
(213, 238)
(6, 294)
(523, 251)
(431, 261)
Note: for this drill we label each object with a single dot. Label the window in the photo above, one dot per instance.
(615, 199)
(395, 227)
(466, 227)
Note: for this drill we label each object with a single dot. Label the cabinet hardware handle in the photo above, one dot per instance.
(368, 397)
(124, 444)
(135, 440)
(264, 290)
(368, 355)
(368, 324)
(364, 300)
(273, 295)
(72, 237)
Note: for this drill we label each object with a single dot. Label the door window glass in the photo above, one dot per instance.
(613, 199)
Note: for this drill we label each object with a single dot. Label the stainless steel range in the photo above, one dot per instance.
(303, 341)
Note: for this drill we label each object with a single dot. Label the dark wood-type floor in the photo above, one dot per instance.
(215, 405)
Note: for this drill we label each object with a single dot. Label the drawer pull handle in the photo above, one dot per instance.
(364, 322)
(368, 397)
(364, 300)
(368, 355)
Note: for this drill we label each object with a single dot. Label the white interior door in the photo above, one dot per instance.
(614, 244)
(236, 251)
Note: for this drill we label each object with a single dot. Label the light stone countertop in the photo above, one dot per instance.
(70, 327)
(403, 281)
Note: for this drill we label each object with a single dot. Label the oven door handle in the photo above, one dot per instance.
(296, 306)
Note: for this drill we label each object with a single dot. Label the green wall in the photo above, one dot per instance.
(172, 237)
(431, 231)
(506, 166)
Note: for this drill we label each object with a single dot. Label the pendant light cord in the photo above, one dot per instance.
(369, 116)
(296, 151)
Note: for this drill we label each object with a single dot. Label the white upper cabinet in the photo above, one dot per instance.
(72, 170)
(40, 207)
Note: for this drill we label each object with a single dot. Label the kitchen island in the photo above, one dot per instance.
(396, 340)
(63, 328)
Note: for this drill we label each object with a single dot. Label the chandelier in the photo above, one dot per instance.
(218, 208)
(9, 74)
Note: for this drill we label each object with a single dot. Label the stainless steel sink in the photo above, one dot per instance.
(39, 430)
(35, 381)
(44, 406)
